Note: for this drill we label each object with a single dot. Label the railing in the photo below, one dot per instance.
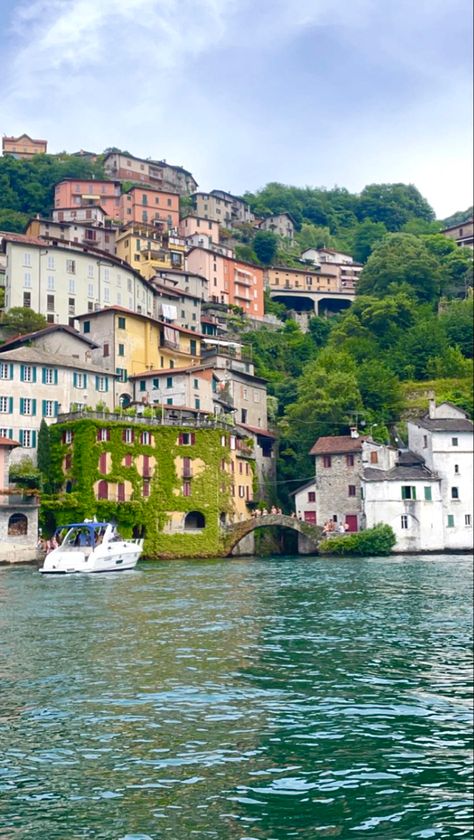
(176, 417)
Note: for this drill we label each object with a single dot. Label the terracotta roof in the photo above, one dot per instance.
(4, 441)
(145, 374)
(21, 136)
(337, 445)
(256, 431)
(21, 237)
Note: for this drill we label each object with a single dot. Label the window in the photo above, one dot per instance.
(351, 490)
(122, 374)
(27, 438)
(106, 295)
(327, 461)
(50, 303)
(425, 441)
(51, 283)
(90, 271)
(196, 384)
(71, 266)
(120, 492)
(408, 492)
(146, 487)
(26, 258)
(427, 494)
(6, 405)
(106, 350)
(121, 323)
(121, 350)
(243, 417)
(27, 300)
(51, 262)
(145, 438)
(101, 383)
(50, 376)
(186, 488)
(187, 439)
(169, 381)
(72, 286)
(311, 496)
(27, 373)
(467, 519)
(103, 434)
(404, 522)
(27, 406)
(142, 384)
(127, 435)
(455, 493)
(49, 408)
(103, 490)
(450, 520)
(456, 469)
(27, 280)
(455, 441)
(374, 458)
(349, 460)
(197, 403)
(6, 371)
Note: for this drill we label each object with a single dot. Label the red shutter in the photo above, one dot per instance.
(103, 462)
(146, 466)
(103, 490)
(193, 438)
(107, 434)
(128, 460)
(121, 492)
(180, 440)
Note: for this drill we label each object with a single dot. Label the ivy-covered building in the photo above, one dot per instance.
(176, 485)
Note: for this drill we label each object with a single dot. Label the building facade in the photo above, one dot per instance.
(280, 224)
(89, 193)
(191, 226)
(75, 232)
(18, 514)
(158, 174)
(463, 234)
(150, 206)
(23, 146)
(231, 282)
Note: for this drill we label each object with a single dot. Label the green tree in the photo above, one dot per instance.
(401, 262)
(366, 235)
(20, 320)
(265, 245)
(393, 204)
(457, 320)
(380, 390)
(44, 457)
(13, 221)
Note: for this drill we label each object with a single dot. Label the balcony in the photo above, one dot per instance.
(15, 497)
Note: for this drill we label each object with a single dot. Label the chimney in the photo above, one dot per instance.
(354, 432)
(432, 406)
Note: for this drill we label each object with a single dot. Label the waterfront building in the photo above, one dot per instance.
(36, 384)
(88, 192)
(18, 513)
(169, 481)
(157, 173)
(231, 282)
(76, 232)
(149, 206)
(23, 146)
(128, 343)
(305, 502)
(338, 468)
(443, 437)
(281, 224)
(462, 233)
(63, 280)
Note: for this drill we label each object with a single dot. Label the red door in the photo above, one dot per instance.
(310, 516)
(351, 522)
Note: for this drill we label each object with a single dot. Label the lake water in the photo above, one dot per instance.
(251, 699)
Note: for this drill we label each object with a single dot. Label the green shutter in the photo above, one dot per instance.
(74, 379)
(85, 380)
(10, 405)
(427, 494)
(106, 383)
(33, 440)
(450, 520)
(11, 371)
(22, 373)
(97, 383)
(20, 438)
(56, 408)
(34, 374)
(55, 376)
(22, 405)
(44, 374)
(44, 407)
(33, 406)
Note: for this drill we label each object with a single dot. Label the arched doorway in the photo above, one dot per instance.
(17, 525)
(124, 400)
(194, 521)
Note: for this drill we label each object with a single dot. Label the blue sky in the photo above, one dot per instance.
(242, 92)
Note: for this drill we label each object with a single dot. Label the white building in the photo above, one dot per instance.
(305, 502)
(425, 494)
(37, 384)
(60, 281)
(190, 388)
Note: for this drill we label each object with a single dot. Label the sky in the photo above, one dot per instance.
(243, 92)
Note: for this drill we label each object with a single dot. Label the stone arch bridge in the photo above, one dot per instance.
(309, 536)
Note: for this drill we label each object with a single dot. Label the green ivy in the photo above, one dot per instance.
(210, 490)
(372, 542)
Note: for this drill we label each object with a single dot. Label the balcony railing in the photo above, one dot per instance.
(164, 416)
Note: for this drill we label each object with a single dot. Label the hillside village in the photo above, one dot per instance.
(138, 393)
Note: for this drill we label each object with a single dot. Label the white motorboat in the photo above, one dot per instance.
(90, 547)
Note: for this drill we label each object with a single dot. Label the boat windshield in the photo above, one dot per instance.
(81, 536)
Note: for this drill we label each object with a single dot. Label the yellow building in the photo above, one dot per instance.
(150, 248)
(130, 343)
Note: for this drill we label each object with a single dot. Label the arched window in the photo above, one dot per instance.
(17, 525)
(194, 521)
(103, 490)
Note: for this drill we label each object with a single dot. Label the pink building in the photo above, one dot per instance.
(191, 225)
(73, 192)
(232, 282)
(148, 205)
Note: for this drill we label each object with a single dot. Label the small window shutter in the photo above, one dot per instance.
(10, 433)
(124, 435)
(33, 407)
(106, 383)
(414, 492)
(43, 376)
(181, 439)
(34, 374)
(22, 405)
(107, 432)
(20, 437)
(44, 408)
(74, 379)
(85, 380)
(11, 371)
(22, 373)
(193, 438)
(33, 440)
(55, 376)
(97, 383)
(10, 405)
(56, 409)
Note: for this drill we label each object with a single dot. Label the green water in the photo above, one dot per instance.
(244, 699)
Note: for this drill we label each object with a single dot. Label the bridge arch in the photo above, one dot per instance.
(308, 540)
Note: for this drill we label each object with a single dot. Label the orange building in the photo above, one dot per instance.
(74, 192)
(148, 205)
(231, 282)
(23, 146)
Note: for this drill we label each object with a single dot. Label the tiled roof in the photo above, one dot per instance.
(448, 424)
(18, 340)
(256, 431)
(400, 473)
(337, 445)
(32, 355)
(4, 441)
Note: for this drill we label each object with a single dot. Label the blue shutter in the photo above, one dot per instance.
(44, 376)
(55, 378)
(56, 408)
(33, 406)
(33, 440)
(10, 405)
(22, 405)
(85, 380)
(20, 437)
(22, 373)
(10, 434)
(106, 383)
(44, 407)
(74, 379)
(34, 374)
(11, 371)
(97, 383)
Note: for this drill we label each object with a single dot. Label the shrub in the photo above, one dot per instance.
(374, 541)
